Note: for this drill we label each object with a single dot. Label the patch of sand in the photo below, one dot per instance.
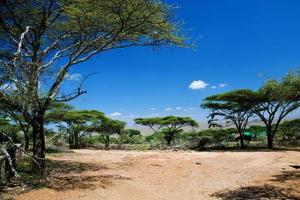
(128, 175)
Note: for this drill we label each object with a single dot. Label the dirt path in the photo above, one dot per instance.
(121, 175)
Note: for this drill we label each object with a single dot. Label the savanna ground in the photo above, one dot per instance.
(153, 175)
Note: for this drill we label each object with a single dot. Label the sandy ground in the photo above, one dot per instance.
(121, 175)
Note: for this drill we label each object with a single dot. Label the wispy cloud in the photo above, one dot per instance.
(116, 114)
(178, 108)
(198, 84)
(168, 109)
(153, 108)
(74, 77)
(222, 85)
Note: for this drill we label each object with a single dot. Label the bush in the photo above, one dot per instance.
(198, 144)
(134, 139)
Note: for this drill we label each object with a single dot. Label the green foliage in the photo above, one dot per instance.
(109, 127)
(217, 136)
(170, 125)
(271, 103)
(169, 121)
(290, 130)
(258, 132)
(155, 138)
(229, 109)
(77, 124)
(131, 132)
(10, 130)
(274, 101)
(131, 136)
(135, 139)
(129, 21)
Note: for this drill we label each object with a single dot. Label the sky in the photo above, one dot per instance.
(240, 44)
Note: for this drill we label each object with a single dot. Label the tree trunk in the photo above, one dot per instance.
(270, 139)
(242, 141)
(73, 140)
(76, 140)
(169, 139)
(107, 142)
(39, 147)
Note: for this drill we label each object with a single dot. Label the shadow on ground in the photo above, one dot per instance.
(281, 187)
(71, 167)
(288, 176)
(67, 175)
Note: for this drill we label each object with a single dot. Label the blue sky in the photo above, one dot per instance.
(239, 44)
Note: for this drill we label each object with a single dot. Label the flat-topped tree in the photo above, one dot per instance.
(132, 132)
(274, 101)
(170, 125)
(228, 109)
(76, 123)
(42, 40)
(109, 127)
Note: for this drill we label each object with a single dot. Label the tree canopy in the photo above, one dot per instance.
(76, 123)
(110, 127)
(170, 125)
(229, 109)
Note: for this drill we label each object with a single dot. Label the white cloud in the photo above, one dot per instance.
(223, 85)
(154, 114)
(192, 108)
(178, 108)
(213, 87)
(197, 85)
(168, 109)
(74, 77)
(116, 114)
(153, 108)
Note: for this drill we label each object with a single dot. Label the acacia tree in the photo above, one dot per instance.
(170, 125)
(227, 109)
(132, 132)
(274, 101)
(76, 123)
(130, 136)
(42, 40)
(109, 127)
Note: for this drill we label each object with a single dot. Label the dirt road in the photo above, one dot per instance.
(121, 175)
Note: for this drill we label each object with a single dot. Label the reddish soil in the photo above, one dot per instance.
(128, 175)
